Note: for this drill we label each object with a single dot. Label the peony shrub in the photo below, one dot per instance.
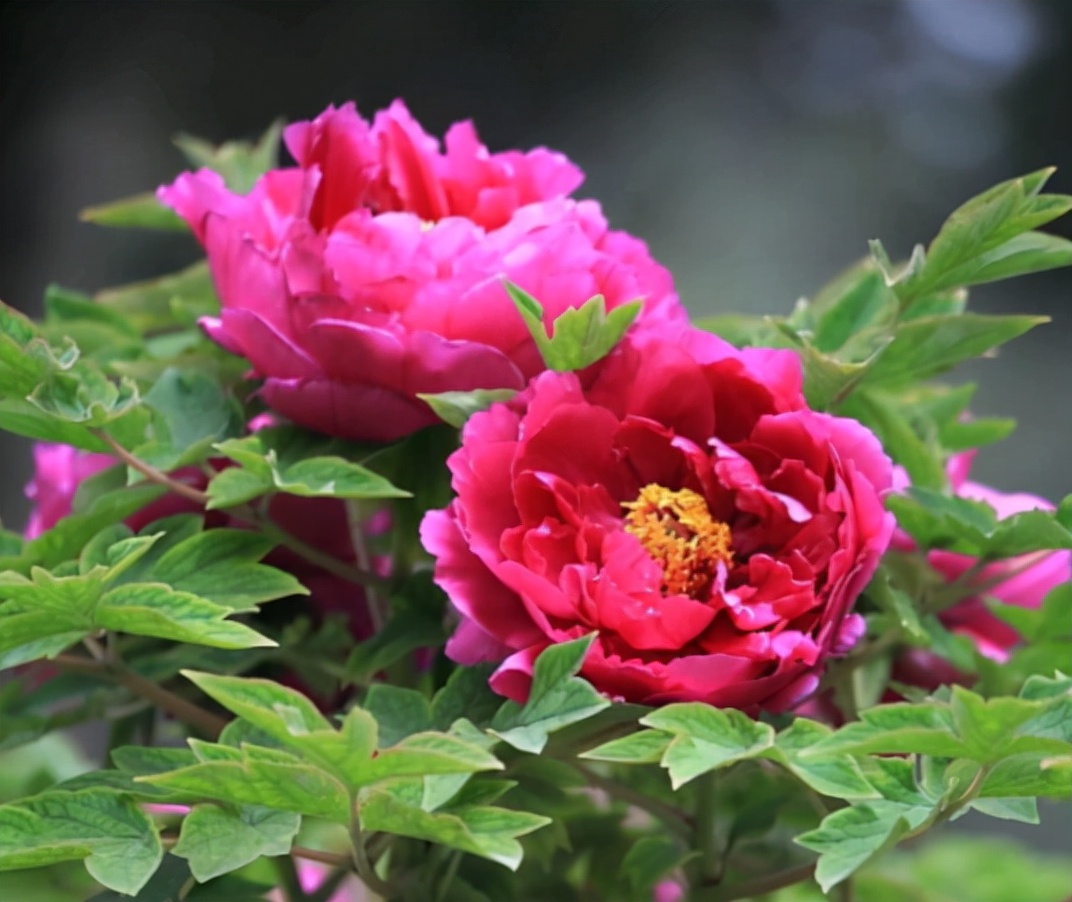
(414, 545)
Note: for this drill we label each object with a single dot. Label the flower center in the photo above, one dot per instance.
(678, 531)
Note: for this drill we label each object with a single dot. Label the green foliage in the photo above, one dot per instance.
(266, 464)
(557, 698)
(455, 407)
(114, 837)
(581, 335)
(412, 770)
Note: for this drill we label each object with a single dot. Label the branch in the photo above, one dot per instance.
(152, 473)
(759, 886)
(179, 708)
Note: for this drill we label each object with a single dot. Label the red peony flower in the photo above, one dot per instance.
(679, 500)
(373, 271)
(1023, 581)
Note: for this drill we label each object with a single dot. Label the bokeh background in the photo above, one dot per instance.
(755, 144)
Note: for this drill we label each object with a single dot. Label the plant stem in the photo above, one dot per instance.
(365, 870)
(357, 541)
(289, 882)
(152, 473)
(706, 837)
(204, 721)
(757, 887)
(676, 820)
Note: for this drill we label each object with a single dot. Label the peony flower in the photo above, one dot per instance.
(58, 472)
(373, 271)
(1023, 581)
(680, 501)
(312, 875)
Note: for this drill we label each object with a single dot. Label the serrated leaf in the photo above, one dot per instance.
(279, 711)
(557, 698)
(642, 747)
(706, 738)
(849, 838)
(579, 336)
(466, 694)
(110, 832)
(240, 163)
(139, 211)
(455, 407)
(839, 777)
(149, 609)
(399, 712)
(1022, 810)
(925, 347)
(234, 486)
(218, 840)
(485, 831)
(252, 780)
(649, 859)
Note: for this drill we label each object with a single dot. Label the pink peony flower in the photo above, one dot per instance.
(312, 874)
(373, 271)
(679, 500)
(58, 472)
(1023, 581)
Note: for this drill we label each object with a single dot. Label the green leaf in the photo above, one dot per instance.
(115, 837)
(220, 565)
(922, 459)
(925, 347)
(240, 163)
(148, 609)
(857, 299)
(166, 885)
(481, 830)
(279, 711)
(455, 407)
(849, 838)
(218, 840)
(1022, 810)
(839, 777)
(423, 754)
(319, 476)
(139, 211)
(234, 486)
(643, 747)
(466, 694)
(706, 738)
(156, 305)
(250, 779)
(399, 712)
(650, 859)
(193, 409)
(557, 698)
(579, 336)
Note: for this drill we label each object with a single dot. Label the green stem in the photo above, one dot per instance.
(152, 473)
(289, 882)
(373, 602)
(760, 886)
(190, 714)
(706, 835)
(365, 870)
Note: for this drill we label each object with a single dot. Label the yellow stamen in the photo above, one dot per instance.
(680, 534)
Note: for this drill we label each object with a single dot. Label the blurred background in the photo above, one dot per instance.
(755, 144)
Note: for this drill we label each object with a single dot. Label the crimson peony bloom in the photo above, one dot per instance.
(373, 271)
(1023, 581)
(679, 500)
